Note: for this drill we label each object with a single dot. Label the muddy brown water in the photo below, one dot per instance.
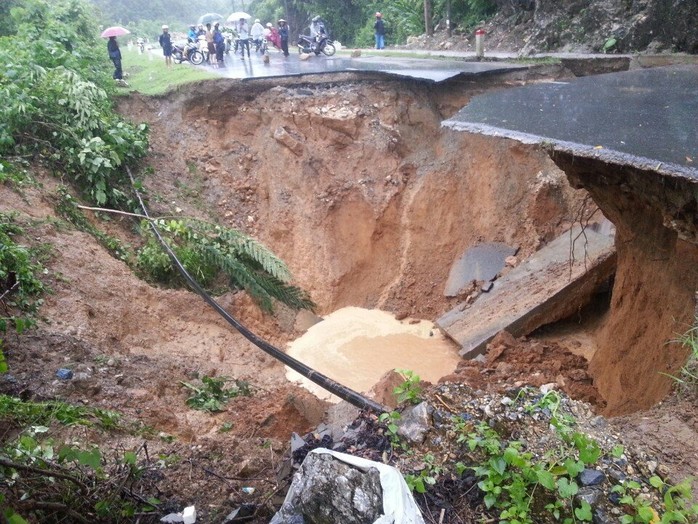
(357, 346)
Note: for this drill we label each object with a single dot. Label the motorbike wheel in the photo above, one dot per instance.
(196, 57)
(329, 49)
(178, 58)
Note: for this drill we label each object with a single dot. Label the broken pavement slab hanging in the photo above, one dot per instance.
(544, 288)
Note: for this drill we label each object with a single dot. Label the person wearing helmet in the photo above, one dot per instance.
(317, 29)
(257, 34)
(166, 44)
(379, 31)
(192, 34)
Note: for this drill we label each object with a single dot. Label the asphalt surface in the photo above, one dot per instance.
(647, 118)
(429, 70)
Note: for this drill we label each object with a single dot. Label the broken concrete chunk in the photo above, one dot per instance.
(546, 287)
(482, 263)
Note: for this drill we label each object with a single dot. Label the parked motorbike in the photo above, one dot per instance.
(308, 44)
(187, 52)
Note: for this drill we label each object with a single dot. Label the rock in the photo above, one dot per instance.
(601, 516)
(415, 422)
(241, 513)
(304, 56)
(356, 53)
(589, 495)
(328, 490)
(282, 136)
(591, 477)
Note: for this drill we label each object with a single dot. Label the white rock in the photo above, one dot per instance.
(189, 515)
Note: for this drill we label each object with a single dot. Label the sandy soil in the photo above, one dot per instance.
(368, 201)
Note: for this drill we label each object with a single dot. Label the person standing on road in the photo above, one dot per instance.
(283, 35)
(379, 31)
(166, 44)
(210, 45)
(219, 40)
(243, 37)
(257, 34)
(115, 56)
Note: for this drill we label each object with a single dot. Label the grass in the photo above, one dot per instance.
(687, 379)
(148, 74)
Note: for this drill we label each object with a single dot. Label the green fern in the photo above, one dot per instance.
(208, 251)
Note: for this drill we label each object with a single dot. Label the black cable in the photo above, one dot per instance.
(343, 392)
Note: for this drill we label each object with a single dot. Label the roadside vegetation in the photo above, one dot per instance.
(524, 480)
(58, 116)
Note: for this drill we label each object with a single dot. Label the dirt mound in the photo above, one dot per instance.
(511, 363)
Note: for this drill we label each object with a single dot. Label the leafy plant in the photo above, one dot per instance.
(409, 390)
(390, 420)
(609, 44)
(207, 250)
(43, 413)
(20, 286)
(212, 394)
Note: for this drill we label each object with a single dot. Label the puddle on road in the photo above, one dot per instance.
(356, 347)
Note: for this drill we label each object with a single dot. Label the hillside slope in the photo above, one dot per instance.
(596, 26)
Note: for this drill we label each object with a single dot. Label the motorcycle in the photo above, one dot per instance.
(260, 46)
(320, 44)
(187, 52)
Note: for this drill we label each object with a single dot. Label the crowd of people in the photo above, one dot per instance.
(211, 39)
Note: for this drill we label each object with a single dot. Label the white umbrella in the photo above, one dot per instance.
(237, 15)
(210, 18)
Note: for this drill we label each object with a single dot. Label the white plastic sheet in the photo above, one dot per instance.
(398, 504)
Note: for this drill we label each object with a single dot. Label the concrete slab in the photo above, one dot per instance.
(647, 118)
(482, 262)
(548, 286)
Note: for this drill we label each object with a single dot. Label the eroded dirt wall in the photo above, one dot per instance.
(653, 298)
(355, 185)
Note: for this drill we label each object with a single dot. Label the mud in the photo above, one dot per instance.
(358, 346)
(369, 202)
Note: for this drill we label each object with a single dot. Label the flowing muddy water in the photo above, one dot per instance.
(356, 347)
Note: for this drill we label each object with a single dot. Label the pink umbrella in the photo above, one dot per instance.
(117, 30)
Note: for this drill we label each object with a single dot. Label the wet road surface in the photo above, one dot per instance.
(420, 69)
(647, 118)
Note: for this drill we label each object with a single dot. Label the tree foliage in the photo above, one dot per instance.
(210, 252)
(54, 78)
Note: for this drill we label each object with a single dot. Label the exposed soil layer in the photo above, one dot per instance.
(369, 202)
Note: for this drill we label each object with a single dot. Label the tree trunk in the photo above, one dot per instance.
(448, 18)
(427, 18)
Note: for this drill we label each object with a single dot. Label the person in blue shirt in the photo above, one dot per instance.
(379, 30)
(192, 34)
(283, 35)
(115, 56)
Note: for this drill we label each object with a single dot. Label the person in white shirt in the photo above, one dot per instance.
(257, 34)
(243, 31)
